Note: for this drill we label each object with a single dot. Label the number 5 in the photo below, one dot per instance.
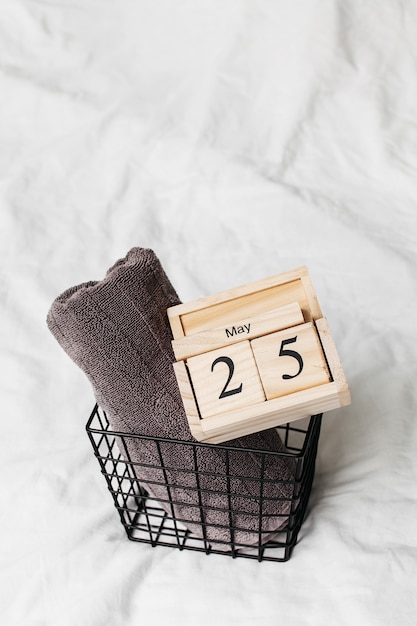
(293, 354)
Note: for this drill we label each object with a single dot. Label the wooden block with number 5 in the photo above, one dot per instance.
(290, 360)
(225, 379)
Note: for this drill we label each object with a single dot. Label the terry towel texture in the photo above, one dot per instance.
(116, 330)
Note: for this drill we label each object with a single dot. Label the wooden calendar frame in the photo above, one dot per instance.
(281, 301)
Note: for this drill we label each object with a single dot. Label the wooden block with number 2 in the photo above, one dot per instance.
(290, 360)
(225, 379)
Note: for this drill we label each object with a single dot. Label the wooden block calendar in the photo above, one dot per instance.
(254, 357)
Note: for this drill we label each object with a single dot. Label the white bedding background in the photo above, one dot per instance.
(238, 139)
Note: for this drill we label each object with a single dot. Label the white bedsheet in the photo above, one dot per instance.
(238, 140)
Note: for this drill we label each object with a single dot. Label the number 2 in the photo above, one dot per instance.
(293, 354)
(227, 392)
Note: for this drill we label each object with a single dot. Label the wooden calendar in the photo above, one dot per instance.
(255, 357)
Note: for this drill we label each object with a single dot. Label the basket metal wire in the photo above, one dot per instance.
(146, 521)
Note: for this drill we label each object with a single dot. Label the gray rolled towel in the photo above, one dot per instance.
(116, 330)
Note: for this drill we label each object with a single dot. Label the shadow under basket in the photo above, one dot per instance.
(146, 520)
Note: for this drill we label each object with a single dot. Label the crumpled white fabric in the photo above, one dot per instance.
(238, 140)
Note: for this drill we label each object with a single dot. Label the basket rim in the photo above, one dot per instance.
(314, 423)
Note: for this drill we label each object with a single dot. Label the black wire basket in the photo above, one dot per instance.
(156, 522)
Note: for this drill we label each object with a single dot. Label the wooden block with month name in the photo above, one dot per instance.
(248, 328)
(290, 360)
(225, 379)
